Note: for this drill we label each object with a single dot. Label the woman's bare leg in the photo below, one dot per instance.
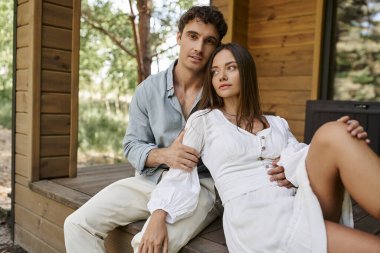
(336, 159)
(344, 239)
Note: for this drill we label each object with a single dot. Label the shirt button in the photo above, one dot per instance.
(263, 137)
(267, 166)
(260, 158)
(263, 148)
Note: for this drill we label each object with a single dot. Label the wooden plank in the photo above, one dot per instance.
(280, 10)
(281, 40)
(21, 1)
(22, 81)
(42, 206)
(24, 13)
(23, 36)
(296, 126)
(22, 144)
(21, 101)
(42, 228)
(285, 97)
(55, 146)
(21, 165)
(53, 167)
(118, 241)
(293, 24)
(285, 68)
(22, 180)
(54, 37)
(75, 88)
(55, 103)
(317, 48)
(56, 15)
(289, 83)
(67, 3)
(54, 81)
(29, 241)
(200, 245)
(22, 57)
(53, 59)
(285, 111)
(22, 123)
(52, 124)
(297, 53)
(59, 193)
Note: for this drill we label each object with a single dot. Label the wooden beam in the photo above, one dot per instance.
(317, 49)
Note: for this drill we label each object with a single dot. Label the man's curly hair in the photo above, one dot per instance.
(206, 14)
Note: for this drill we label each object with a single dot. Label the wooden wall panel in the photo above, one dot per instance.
(53, 167)
(22, 123)
(22, 101)
(22, 180)
(41, 206)
(22, 81)
(54, 59)
(21, 144)
(52, 124)
(54, 81)
(55, 103)
(57, 38)
(55, 146)
(29, 241)
(281, 38)
(21, 165)
(269, 10)
(43, 229)
(67, 3)
(291, 25)
(56, 15)
(22, 58)
(24, 14)
(23, 35)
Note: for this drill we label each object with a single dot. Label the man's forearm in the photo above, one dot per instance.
(156, 157)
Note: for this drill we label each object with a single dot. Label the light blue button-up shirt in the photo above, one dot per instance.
(155, 120)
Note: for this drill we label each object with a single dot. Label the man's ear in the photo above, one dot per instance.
(179, 38)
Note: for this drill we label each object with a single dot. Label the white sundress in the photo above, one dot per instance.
(259, 216)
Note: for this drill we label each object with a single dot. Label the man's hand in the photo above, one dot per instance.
(277, 173)
(180, 156)
(155, 238)
(354, 128)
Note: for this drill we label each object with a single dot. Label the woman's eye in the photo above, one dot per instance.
(231, 68)
(214, 73)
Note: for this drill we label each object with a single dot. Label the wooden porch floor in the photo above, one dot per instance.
(74, 192)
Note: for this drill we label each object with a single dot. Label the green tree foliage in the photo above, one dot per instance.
(108, 70)
(358, 50)
(6, 58)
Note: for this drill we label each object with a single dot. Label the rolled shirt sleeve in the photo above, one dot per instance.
(178, 192)
(290, 155)
(139, 139)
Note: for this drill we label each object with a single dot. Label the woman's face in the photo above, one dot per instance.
(225, 75)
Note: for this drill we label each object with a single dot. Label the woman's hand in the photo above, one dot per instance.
(354, 128)
(155, 238)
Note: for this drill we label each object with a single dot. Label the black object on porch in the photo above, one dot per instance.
(319, 112)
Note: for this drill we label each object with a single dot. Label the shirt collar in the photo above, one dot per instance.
(170, 79)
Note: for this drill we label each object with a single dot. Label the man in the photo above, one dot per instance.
(158, 113)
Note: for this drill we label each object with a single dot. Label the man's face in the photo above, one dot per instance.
(197, 41)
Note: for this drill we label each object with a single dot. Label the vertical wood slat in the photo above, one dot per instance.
(74, 88)
(34, 91)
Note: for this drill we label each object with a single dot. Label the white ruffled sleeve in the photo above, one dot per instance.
(178, 191)
(291, 154)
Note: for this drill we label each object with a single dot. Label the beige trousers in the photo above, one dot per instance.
(124, 202)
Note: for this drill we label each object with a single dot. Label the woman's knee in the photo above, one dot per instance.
(331, 133)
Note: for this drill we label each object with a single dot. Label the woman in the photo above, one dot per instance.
(238, 144)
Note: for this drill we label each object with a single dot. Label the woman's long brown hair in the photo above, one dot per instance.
(249, 99)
